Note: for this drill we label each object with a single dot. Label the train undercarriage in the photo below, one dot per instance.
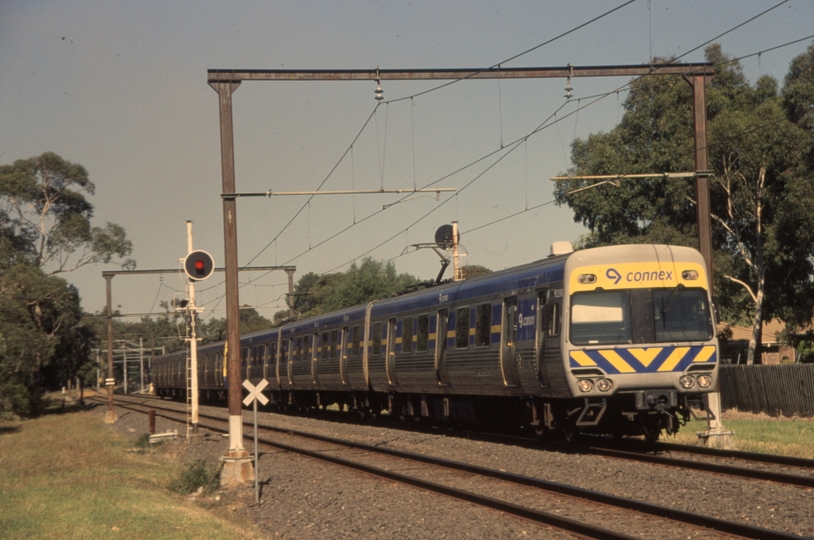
(646, 413)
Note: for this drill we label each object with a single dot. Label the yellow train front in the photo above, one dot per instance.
(638, 339)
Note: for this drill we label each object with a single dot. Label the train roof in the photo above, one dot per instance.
(534, 274)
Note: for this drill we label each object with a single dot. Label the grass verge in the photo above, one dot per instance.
(68, 476)
(759, 433)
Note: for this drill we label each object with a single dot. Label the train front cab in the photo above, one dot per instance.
(639, 341)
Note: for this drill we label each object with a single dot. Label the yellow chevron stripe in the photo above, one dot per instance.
(582, 359)
(617, 361)
(705, 354)
(646, 356)
(674, 358)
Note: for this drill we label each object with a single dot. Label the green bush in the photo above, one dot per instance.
(143, 442)
(16, 401)
(194, 476)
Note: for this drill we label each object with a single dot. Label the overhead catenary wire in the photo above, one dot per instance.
(372, 114)
(536, 206)
(578, 109)
(596, 97)
(516, 56)
(508, 60)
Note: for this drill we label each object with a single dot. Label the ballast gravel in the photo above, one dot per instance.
(309, 499)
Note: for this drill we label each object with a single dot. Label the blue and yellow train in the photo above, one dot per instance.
(612, 340)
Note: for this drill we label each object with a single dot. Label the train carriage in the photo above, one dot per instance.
(615, 339)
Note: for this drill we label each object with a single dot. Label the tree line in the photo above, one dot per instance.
(761, 150)
(45, 231)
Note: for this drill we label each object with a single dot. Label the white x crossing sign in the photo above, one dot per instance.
(255, 392)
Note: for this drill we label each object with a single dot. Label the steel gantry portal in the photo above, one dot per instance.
(226, 81)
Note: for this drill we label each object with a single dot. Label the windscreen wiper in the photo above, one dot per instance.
(671, 299)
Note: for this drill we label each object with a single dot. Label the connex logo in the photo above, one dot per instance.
(611, 273)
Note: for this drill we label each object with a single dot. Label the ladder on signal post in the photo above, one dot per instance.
(189, 393)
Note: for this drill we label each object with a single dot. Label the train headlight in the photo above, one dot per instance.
(585, 385)
(686, 382)
(604, 385)
(704, 381)
(689, 275)
(586, 279)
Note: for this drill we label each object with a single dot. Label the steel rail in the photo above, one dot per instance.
(728, 527)
(729, 470)
(632, 452)
(738, 454)
(544, 518)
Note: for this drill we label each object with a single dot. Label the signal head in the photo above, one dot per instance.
(199, 265)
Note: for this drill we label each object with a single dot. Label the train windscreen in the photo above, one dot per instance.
(640, 316)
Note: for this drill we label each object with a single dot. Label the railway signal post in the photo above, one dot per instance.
(198, 266)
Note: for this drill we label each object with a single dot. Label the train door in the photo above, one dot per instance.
(441, 347)
(541, 340)
(508, 342)
(292, 349)
(313, 357)
(271, 369)
(548, 332)
(343, 356)
(264, 361)
(390, 365)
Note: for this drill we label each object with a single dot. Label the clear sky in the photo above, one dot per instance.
(120, 87)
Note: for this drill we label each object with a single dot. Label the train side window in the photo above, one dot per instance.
(356, 340)
(298, 354)
(244, 356)
(407, 335)
(324, 346)
(462, 328)
(423, 335)
(306, 348)
(273, 354)
(333, 343)
(553, 311)
(483, 325)
(377, 339)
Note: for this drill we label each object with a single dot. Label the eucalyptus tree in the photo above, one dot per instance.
(762, 191)
(45, 216)
(42, 340)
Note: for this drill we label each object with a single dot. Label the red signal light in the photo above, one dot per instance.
(199, 265)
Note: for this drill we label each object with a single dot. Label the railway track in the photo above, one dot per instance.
(635, 450)
(535, 489)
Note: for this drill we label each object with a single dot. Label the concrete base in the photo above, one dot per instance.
(238, 468)
(110, 416)
(717, 438)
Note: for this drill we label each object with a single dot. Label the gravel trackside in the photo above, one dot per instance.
(306, 498)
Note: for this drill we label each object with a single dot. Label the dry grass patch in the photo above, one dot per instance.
(68, 476)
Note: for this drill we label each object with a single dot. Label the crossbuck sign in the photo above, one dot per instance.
(255, 392)
(255, 395)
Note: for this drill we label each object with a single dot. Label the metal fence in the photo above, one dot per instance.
(784, 389)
